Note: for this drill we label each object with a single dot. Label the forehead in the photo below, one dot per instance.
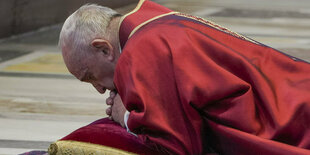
(75, 62)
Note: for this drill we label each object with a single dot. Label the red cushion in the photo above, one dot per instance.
(108, 133)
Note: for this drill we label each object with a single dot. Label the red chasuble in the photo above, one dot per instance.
(191, 85)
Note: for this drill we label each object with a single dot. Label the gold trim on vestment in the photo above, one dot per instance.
(68, 147)
(202, 20)
(216, 26)
(131, 12)
(152, 19)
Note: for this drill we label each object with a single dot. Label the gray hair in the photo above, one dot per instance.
(88, 22)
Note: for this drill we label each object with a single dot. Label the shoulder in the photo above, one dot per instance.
(159, 34)
(149, 40)
(161, 28)
(161, 39)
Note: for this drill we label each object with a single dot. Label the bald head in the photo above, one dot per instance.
(88, 22)
(88, 36)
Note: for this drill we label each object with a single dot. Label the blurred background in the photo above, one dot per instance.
(41, 102)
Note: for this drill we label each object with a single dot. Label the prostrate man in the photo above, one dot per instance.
(190, 84)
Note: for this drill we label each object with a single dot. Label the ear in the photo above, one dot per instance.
(104, 47)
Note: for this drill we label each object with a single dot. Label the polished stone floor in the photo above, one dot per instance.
(41, 102)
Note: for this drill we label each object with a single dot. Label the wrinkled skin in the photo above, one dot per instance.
(96, 66)
(116, 110)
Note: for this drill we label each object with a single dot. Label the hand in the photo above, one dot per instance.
(109, 102)
(118, 110)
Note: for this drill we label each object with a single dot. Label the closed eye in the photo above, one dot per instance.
(88, 78)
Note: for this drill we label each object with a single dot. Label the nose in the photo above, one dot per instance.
(99, 88)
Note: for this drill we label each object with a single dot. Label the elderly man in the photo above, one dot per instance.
(189, 84)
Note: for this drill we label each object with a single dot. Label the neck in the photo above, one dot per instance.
(114, 35)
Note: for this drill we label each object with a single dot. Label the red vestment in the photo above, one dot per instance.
(190, 84)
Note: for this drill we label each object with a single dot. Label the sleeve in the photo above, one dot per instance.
(126, 117)
(171, 88)
(145, 81)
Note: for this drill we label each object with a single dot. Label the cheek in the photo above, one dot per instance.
(74, 68)
(99, 75)
(92, 63)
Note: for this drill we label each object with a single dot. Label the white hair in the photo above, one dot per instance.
(88, 22)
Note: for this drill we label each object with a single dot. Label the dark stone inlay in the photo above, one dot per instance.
(39, 75)
(8, 54)
(230, 12)
(25, 144)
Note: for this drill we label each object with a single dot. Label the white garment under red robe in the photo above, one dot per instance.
(191, 85)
